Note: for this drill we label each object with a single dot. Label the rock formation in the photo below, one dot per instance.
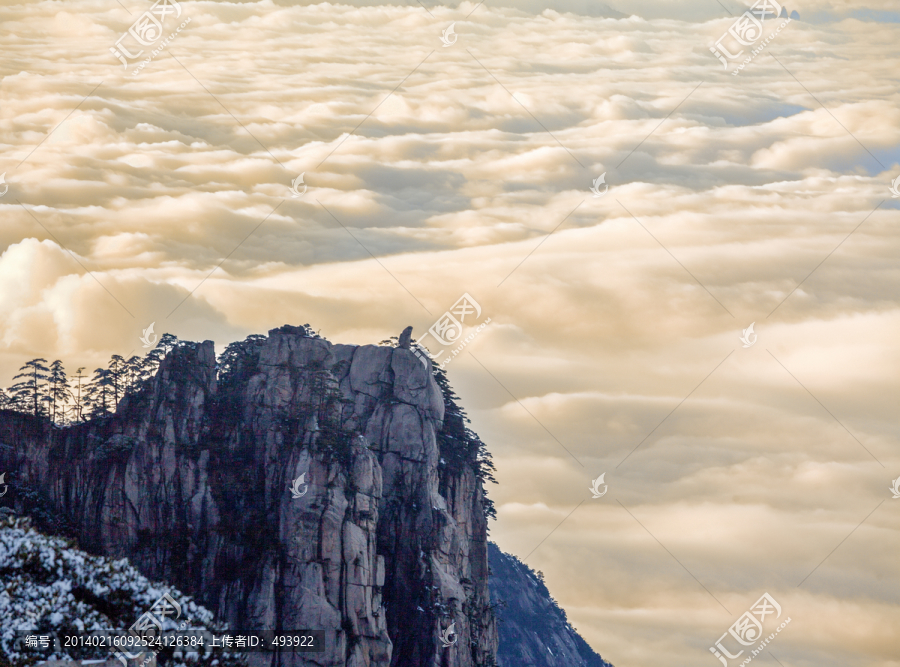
(405, 338)
(197, 481)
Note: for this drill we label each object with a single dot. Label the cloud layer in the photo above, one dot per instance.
(614, 343)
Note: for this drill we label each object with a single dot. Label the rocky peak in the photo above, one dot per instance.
(297, 485)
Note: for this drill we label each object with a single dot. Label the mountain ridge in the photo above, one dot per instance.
(534, 630)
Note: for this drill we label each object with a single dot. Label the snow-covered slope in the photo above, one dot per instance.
(49, 586)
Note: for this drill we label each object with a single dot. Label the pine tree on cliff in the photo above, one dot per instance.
(14, 402)
(151, 361)
(99, 397)
(135, 372)
(32, 390)
(59, 393)
(460, 445)
(166, 342)
(78, 399)
(117, 374)
(238, 354)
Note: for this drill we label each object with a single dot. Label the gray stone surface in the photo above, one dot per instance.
(191, 480)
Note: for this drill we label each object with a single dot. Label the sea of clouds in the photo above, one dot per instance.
(431, 171)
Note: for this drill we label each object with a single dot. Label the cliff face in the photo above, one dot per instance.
(534, 630)
(384, 546)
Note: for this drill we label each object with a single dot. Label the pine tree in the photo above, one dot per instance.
(155, 356)
(459, 445)
(59, 392)
(238, 353)
(153, 359)
(15, 402)
(135, 372)
(78, 407)
(32, 391)
(99, 394)
(167, 342)
(117, 377)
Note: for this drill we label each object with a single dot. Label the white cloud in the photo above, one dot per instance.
(608, 324)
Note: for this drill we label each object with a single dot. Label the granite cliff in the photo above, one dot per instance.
(298, 484)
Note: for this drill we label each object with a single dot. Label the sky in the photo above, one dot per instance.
(612, 330)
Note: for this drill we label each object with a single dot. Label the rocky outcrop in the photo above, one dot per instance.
(303, 485)
(534, 630)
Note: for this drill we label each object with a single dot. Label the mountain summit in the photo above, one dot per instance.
(294, 484)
